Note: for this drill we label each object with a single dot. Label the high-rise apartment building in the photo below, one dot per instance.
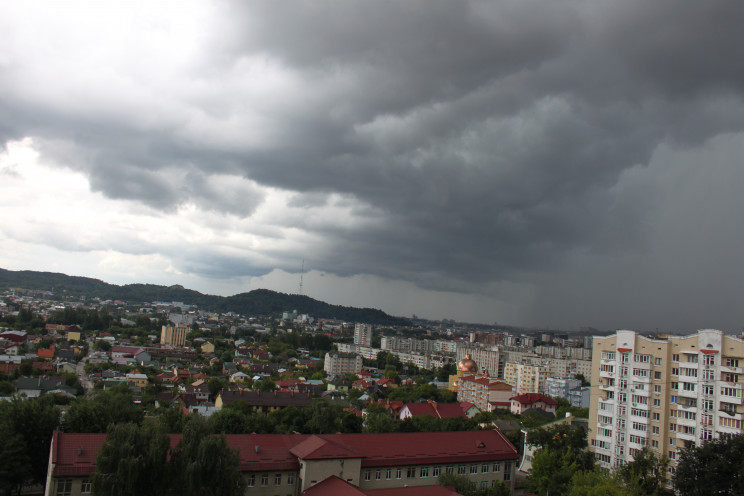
(526, 377)
(174, 336)
(666, 393)
(337, 363)
(363, 334)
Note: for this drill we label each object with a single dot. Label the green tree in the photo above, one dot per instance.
(95, 414)
(26, 428)
(204, 465)
(552, 471)
(229, 421)
(646, 474)
(716, 467)
(597, 483)
(133, 460)
(15, 464)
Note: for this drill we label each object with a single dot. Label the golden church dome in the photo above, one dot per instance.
(467, 364)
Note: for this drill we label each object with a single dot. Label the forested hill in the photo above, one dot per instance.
(256, 302)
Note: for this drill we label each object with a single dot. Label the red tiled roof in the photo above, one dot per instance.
(333, 486)
(436, 410)
(530, 398)
(433, 490)
(317, 448)
(75, 454)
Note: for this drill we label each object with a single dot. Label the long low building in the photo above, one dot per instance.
(289, 464)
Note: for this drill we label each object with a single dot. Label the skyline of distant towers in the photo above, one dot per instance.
(363, 334)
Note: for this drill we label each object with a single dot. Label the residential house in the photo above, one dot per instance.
(528, 401)
(432, 408)
(264, 401)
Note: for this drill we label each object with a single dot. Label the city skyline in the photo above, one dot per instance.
(544, 164)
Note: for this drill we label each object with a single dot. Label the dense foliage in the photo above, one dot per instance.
(26, 428)
(716, 467)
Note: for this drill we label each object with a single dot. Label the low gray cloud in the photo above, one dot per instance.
(489, 141)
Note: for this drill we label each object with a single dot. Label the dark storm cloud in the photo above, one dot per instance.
(487, 138)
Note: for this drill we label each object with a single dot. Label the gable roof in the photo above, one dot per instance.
(318, 448)
(436, 410)
(333, 486)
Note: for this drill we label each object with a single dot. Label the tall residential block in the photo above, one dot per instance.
(337, 363)
(174, 336)
(363, 334)
(526, 377)
(665, 392)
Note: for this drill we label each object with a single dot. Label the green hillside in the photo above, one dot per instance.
(256, 302)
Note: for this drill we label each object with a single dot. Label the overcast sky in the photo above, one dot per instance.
(551, 163)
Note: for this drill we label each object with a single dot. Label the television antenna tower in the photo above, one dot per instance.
(302, 273)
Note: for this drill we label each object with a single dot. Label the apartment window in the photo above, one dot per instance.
(264, 479)
(657, 361)
(398, 473)
(655, 444)
(450, 469)
(657, 402)
(389, 474)
(278, 480)
(290, 479)
(436, 471)
(657, 375)
(474, 469)
(707, 390)
(497, 467)
(675, 357)
(732, 362)
(657, 389)
(86, 487)
(367, 475)
(672, 441)
(484, 468)
(411, 473)
(64, 487)
(378, 474)
(461, 470)
(731, 377)
(655, 417)
(655, 430)
(424, 472)
(709, 360)
(507, 471)
(251, 480)
(692, 359)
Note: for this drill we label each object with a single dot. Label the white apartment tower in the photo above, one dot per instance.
(363, 334)
(666, 393)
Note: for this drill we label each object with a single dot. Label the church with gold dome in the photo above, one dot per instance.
(467, 366)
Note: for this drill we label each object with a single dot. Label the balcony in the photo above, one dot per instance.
(687, 394)
(640, 392)
(731, 415)
(686, 437)
(686, 422)
(607, 374)
(731, 399)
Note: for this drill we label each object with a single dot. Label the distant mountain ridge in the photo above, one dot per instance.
(256, 302)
